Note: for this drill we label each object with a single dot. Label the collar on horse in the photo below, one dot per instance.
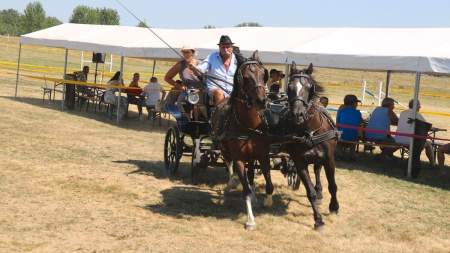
(311, 138)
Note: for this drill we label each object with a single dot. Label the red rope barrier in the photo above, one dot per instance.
(377, 131)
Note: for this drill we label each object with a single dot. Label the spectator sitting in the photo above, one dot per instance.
(349, 115)
(405, 126)
(174, 94)
(110, 94)
(381, 119)
(154, 93)
(324, 101)
(82, 76)
(133, 94)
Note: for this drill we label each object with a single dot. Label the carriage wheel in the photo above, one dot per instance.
(172, 151)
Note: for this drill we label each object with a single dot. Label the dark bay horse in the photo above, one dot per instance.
(242, 140)
(311, 121)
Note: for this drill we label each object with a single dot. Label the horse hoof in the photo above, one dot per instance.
(268, 201)
(320, 226)
(335, 212)
(250, 226)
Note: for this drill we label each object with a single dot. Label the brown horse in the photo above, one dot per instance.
(242, 140)
(310, 121)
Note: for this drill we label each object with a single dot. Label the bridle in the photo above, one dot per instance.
(306, 103)
(247, 100)
(240, 80)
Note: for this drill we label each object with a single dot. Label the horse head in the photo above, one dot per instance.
(250, 80)
(301, 90)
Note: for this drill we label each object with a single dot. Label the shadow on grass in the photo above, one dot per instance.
(397, 169)
(195, 201)
(132, 122)
(212, 176)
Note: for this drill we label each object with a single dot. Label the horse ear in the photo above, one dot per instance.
(293, 66)
(310, 69)
(255, 55)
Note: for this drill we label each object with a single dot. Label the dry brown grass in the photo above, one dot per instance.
(76, 182)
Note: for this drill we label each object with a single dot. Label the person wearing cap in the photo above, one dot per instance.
(381, 119)
(324, 101)
(220, 68)
(405, 126)
(349, 115)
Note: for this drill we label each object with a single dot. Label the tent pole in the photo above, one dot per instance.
(120, 93)
(388, 82)
(64, 77)
(411, 143)
(18, 68)
(380, 92)
(364, 84)
(154, 66)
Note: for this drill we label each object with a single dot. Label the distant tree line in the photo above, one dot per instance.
(87, 15)
(33, 18)
(244, 24)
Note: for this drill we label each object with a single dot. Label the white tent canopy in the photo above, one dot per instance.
(397, 49)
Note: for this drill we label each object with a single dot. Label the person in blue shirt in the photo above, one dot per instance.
(381, 119)
(219, 68)
(349, 115)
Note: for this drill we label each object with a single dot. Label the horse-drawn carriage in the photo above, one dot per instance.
(191, 135)
(304, 135)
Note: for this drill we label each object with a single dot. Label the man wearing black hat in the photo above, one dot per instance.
(220, 68)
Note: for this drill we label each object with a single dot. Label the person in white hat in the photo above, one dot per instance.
(181, 68)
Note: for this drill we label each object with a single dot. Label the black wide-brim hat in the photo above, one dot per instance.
(225, 39)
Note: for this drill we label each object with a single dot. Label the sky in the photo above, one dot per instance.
(293, 13)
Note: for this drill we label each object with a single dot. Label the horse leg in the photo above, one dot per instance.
(330, 167)
(246, 193)
(233, 181)
(302, 170)
(251, 180)
(318, 187)
(265, 168)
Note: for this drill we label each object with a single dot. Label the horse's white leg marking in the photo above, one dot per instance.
(250, 224)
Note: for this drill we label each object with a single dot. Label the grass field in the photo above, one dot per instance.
(77, 182)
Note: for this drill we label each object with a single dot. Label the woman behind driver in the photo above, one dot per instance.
(181, 68)
(187, 76)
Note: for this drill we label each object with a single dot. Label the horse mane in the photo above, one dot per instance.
(240, 60)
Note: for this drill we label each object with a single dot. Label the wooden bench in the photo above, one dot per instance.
(370, 146)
